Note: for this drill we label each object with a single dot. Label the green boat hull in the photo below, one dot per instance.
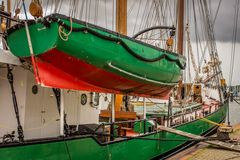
(87, 147)
(91, 52)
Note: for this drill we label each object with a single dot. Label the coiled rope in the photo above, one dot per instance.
(63, 35)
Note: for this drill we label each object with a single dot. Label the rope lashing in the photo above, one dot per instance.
(63, 35)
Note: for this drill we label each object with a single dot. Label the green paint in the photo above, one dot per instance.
(88, 148)
(97, 51)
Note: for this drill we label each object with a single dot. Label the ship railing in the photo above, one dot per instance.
(109, 128)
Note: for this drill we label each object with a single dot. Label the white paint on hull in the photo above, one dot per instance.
(38, 112)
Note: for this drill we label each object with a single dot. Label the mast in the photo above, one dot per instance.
(9, 6)
(121, 16)
(121, 27)
(180, 26)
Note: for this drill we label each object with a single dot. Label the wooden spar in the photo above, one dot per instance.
(210, 77)
(121, 27)
(180, 26)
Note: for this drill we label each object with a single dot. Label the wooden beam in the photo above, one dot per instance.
(221, 144)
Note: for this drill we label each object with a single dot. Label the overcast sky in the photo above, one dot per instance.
(224, 34)
(101, 12)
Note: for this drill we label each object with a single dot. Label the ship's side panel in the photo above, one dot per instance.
(88, 148)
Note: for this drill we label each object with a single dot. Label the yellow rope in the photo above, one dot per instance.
(63, 35)
(211, 122)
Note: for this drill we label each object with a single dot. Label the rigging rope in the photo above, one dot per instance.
(60, 6)
(81, 10)
(204, 51)
(24, 8)
(105, 12)
(89, 10)
(191, 53)
(213, 49)
(140, 2)
(198, 43)
(233, 49)
(96, 12)
(113, 10)
(154, 14)
(46, 9)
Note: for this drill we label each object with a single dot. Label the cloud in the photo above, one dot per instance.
(224, 22)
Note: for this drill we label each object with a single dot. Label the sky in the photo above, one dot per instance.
(224, 34)
(101, 12)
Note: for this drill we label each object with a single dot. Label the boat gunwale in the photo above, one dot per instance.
(86, 24)
(76, 137)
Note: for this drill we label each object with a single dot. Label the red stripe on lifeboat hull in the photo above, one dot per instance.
(60, 70)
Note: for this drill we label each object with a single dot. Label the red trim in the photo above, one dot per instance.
(59, 70)
(50, 76)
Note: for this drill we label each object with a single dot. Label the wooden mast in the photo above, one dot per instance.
(117, 101)
(121, 16)
(180, 30)
(180, 26)
(9, 6)
(121, 27)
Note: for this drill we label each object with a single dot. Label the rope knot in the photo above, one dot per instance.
(63, 35)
